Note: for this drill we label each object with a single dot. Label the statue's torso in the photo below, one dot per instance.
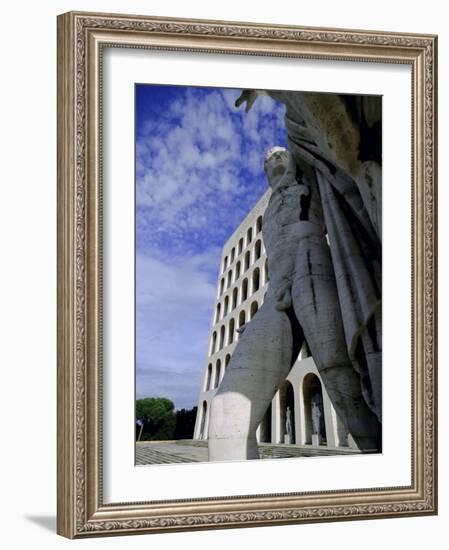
(288, 208)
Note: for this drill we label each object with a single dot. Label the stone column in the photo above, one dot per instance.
(258, 434)
(330, 418)
(276, 433)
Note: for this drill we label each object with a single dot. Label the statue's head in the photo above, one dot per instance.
(275, 164)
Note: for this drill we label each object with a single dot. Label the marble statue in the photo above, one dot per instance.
(316, 414)
(338, 139)
(321, 231)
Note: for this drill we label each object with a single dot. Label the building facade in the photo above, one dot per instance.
(242, 284)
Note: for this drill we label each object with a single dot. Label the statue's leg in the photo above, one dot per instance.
(260, 362)
(315, 301)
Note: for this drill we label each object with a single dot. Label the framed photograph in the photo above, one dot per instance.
(246, 274)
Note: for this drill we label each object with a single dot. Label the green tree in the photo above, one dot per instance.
(157, 414)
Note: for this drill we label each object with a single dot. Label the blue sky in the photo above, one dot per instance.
(199, 171)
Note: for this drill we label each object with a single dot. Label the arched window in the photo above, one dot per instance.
(247, 260)
(287, 409)
(241, 322)
(231, 331)
(234, 299)
(214, 343)
(313, 410)
(208, 377)
(225, 264)
(226, 306)
(242, 318)
(244, 290)
(265, 427)
(259, 224)
(253, 309)
(217, 373)
(240, 247)
(257, 250)
(229, 278)
(217, 314)
(222, 335)
(221, 286)
(203, 424)
(249, 236)
(256, 279)
(232, 255)
(265, 267)
(227, 359)
(237, 271)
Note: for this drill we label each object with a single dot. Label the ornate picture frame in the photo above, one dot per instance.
(82, 38)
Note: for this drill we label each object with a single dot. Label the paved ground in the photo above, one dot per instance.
(188, 450)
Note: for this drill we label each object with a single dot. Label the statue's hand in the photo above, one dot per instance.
(241, 329)
(284, 298)
(248, 96)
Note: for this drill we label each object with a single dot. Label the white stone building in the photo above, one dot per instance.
(242, 285)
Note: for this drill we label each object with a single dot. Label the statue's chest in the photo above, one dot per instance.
(283, 208)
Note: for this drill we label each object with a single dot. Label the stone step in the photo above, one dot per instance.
(145, 455)
(294, 450)
(179, 451)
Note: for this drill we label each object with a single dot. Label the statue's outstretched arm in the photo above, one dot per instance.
(248, 96)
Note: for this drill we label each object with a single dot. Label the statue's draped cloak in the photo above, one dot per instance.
(351, 209)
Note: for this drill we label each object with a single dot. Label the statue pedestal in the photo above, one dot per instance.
(316, 439)
(287, 439)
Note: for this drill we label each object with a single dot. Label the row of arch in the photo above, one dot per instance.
(249, 237)
(226, 335)
(311, 396)
(249, 286)
(215, 373)
(234, 275)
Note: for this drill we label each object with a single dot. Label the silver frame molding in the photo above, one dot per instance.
(81, 37)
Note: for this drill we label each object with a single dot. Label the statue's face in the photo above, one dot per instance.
(275, 164)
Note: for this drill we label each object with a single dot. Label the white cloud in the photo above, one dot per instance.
(196, 161)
